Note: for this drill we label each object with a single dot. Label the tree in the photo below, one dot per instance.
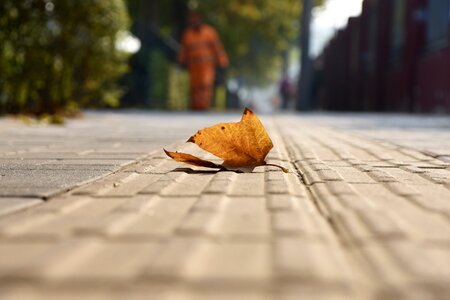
(304, 101)
(60, 55)
(154, 23)
(255, 33)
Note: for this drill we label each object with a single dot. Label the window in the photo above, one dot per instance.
(437, 22)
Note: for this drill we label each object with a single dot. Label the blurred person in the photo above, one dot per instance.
(201, 52)
(285, 90)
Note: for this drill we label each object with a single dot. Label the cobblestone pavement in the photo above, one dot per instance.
(39, 161)
(425, 133)
(358, 217)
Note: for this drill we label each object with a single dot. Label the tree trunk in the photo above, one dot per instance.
(305, 80)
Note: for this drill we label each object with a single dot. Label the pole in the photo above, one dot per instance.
(304, 94)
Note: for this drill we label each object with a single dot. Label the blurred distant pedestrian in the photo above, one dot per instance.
(285, 91)
(201, 52)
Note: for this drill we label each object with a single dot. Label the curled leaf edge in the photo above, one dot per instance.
(210, 164)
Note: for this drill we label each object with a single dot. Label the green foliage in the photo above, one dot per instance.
(159, 68)
(254, 32)
(59, 55)
(178, 88)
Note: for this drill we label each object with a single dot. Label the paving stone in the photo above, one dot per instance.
(325, 154)
(210, 292)
(158, 221)
(32, 260)
(248, 184)
(353, 175)
(325, 291)
(307, 260)
(274, 176)
(71, 294)
(355, 201)
(413, 169)
(295, 184)
(100, 220)
(340, 188)
(401, 176)
(360, 155)
(434, 199)
(402, 189)
(129, 186)
(243, 217)
(337, 199)
(83, 162)
(445, 158)
(51, 226)
(217, 186)
(309, 175)
(137, 204)
(174, 260)
(105, 262)
(103, 185)
(382, 224)
(277, 187)
(382, 176)
(44, 155)
(359, 164)
(440, 176)
(210, 203)
(196, 223)
(417, 221)
(10, 205)
(13, 225)
(427, 268)
(295, 222)
(430, 164)
(191, 185)
(18, 164)
(165, 181)
(231, 262)
(415, 154)
(108, 225)
(63, 205)
(144, 166)
(43, 183)
(280, 202)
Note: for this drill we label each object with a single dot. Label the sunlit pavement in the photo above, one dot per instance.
(95, 210)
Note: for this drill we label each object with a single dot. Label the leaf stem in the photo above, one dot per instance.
(274, 165)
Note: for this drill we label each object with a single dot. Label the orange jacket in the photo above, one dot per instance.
(202, 46)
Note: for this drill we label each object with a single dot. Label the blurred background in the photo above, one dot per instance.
(57, 57)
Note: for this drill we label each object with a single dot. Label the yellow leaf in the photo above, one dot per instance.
(243, 144)
(191, 159)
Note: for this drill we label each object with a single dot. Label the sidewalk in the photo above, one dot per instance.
(363, 214)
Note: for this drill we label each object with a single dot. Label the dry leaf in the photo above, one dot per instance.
(241, 145)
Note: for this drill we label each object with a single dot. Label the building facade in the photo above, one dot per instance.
(394, 57)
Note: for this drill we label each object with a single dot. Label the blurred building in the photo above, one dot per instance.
(394, 57)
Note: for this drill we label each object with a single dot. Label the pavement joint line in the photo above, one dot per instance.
(344, 242)
(135, 162)
(394, 167)
(69, 189)
(424, 152)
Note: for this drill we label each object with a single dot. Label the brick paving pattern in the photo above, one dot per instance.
(356, 218)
